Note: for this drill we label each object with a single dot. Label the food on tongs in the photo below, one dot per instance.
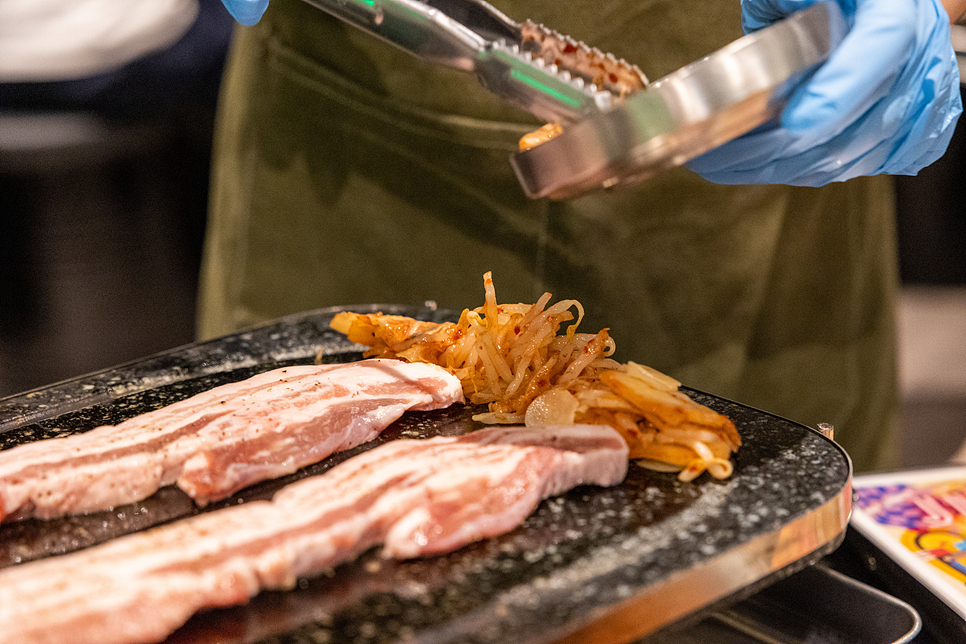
(600, 70)
(513, 358)
(417, 497)
(221, 440)
(540, 135)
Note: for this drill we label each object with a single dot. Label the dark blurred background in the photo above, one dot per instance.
(103, 192)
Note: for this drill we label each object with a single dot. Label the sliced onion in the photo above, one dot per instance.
(658, 466)
(653, 377)
(554, 407)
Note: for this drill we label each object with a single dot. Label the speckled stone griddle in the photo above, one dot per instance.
(594, 565)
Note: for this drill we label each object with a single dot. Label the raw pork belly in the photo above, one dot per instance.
(415, 496)
(222, 440)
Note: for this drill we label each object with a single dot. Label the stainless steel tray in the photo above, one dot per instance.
(815, 605)
(686, 113)
(594, 565)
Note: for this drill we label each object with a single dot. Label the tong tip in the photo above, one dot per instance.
(604, 70)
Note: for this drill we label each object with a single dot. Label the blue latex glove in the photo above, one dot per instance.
(247, 12)
(886, 101)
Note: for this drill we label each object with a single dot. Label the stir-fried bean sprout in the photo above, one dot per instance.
(514, 359)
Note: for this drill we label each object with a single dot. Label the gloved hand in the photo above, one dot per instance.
(886, 101)
(247, 12)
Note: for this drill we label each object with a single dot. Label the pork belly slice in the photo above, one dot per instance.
(217, 442)
(417, 497)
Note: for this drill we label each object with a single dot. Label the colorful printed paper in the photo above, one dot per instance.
(928, 519)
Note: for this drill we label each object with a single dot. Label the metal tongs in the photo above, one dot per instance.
(612, 133)
(550, 75)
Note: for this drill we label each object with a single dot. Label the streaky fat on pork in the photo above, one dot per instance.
(222, 440)
(416, 497)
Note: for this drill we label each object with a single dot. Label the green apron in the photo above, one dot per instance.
(347, 172)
